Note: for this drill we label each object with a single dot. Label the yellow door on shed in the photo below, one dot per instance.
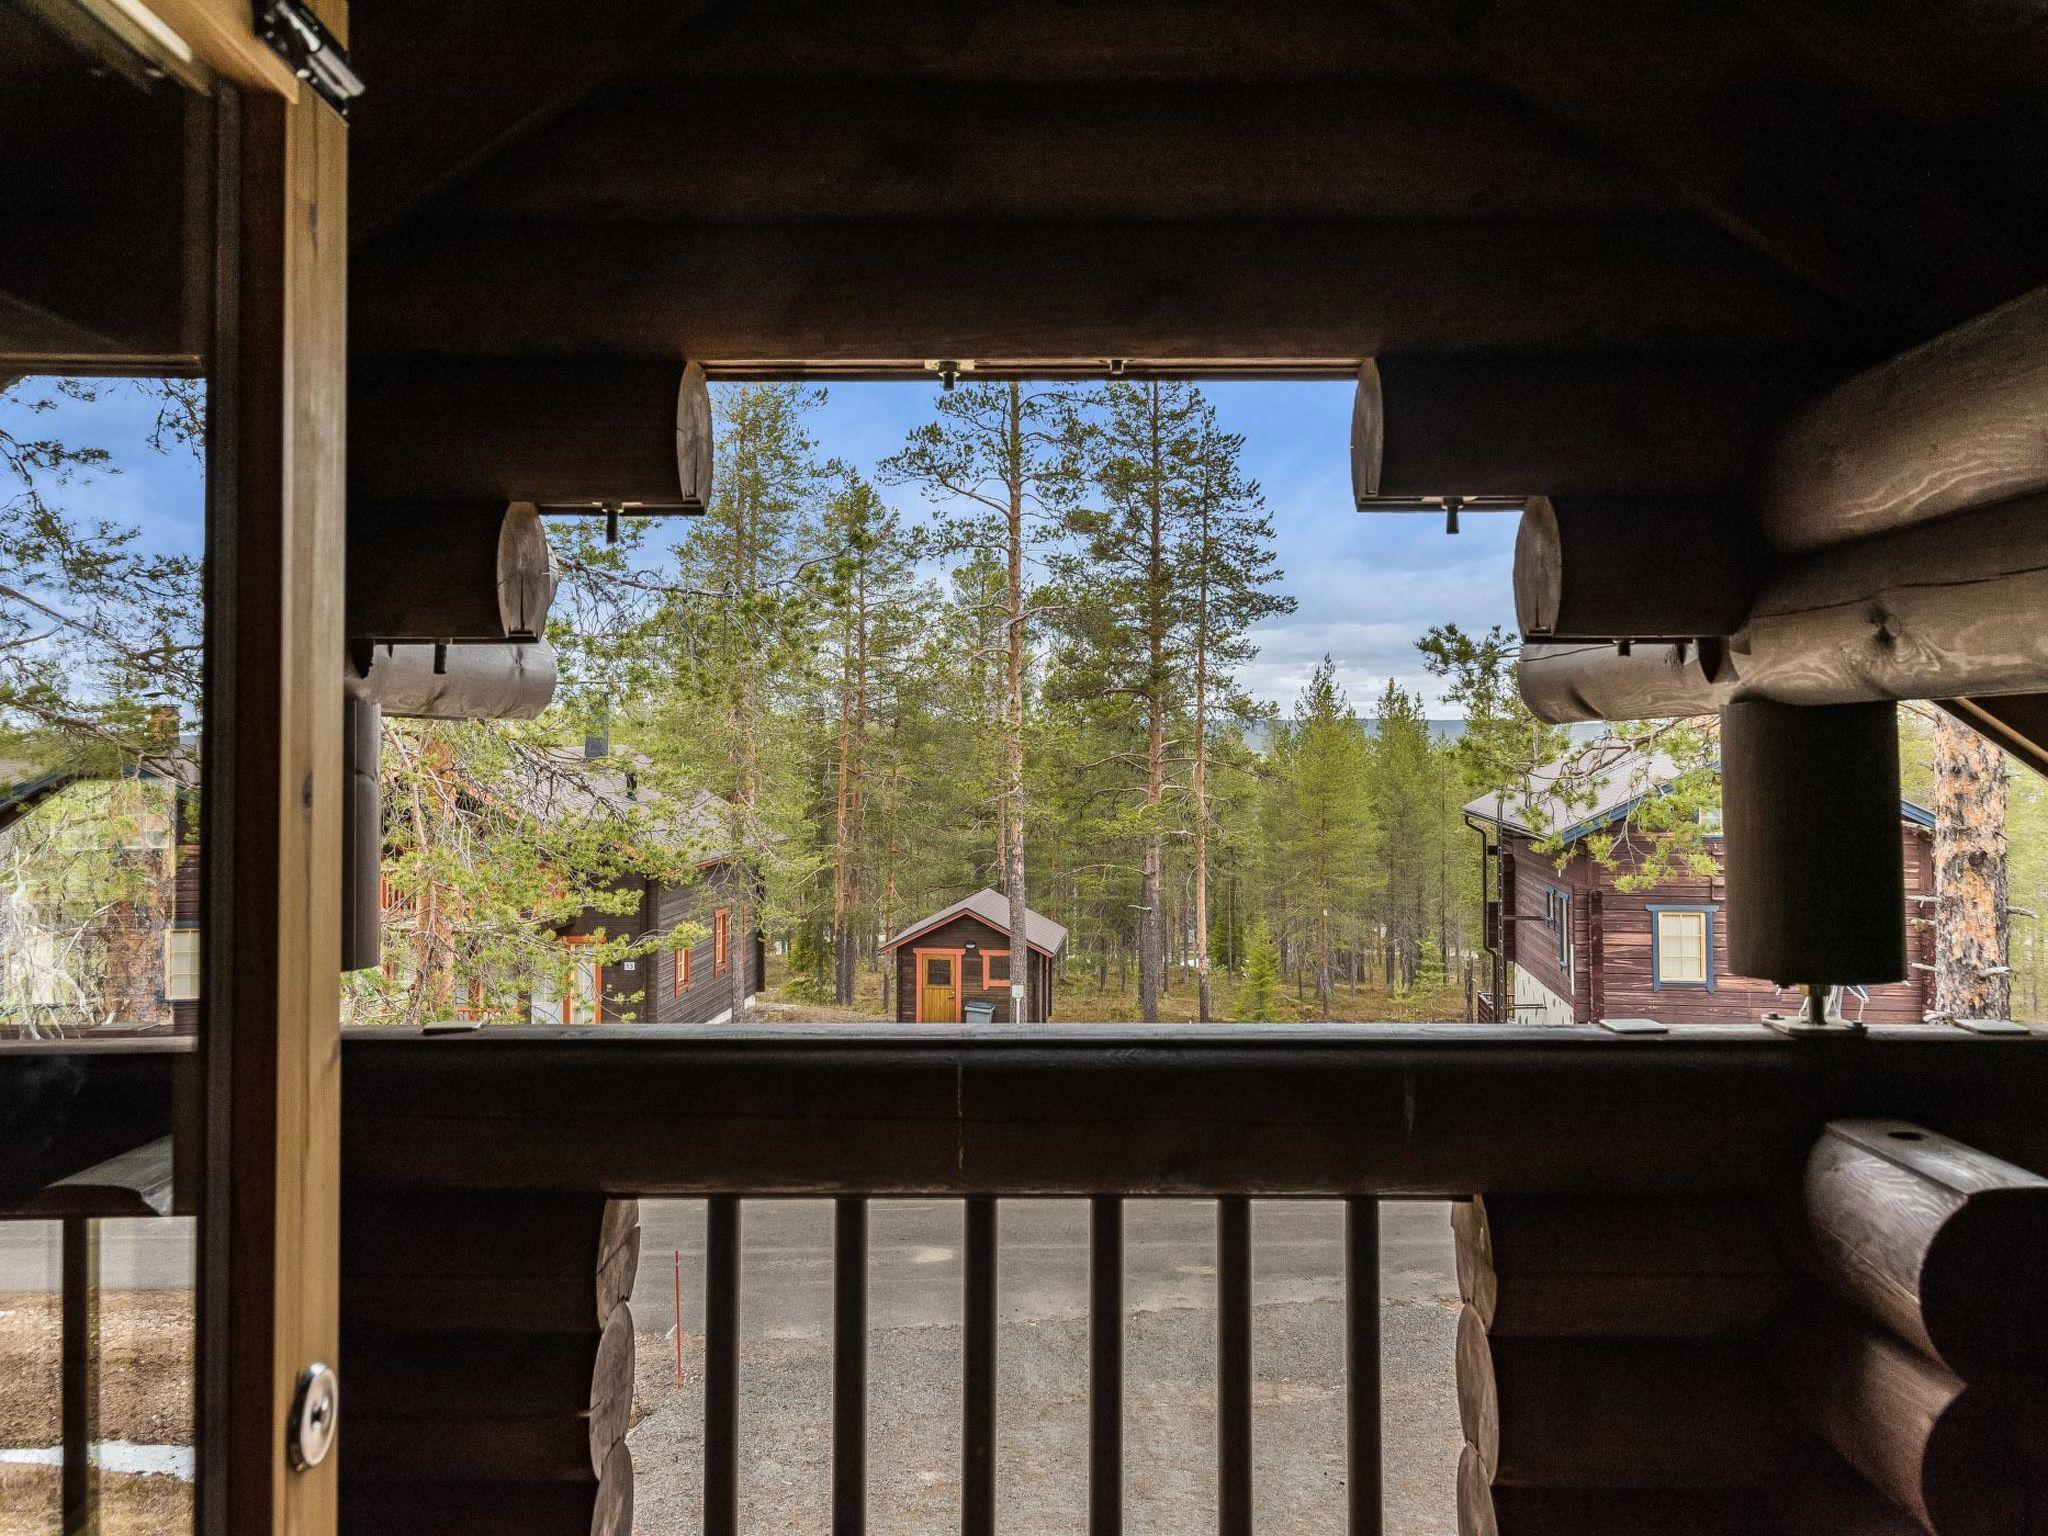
(938, 987)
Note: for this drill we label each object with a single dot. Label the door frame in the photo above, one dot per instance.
(959, 957)
(271, 856)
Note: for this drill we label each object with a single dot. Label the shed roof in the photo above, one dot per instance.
(992, 907)
(1608, 783)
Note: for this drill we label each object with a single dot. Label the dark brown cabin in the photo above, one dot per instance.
(1581, 948)
(680, 986)
(960, 955)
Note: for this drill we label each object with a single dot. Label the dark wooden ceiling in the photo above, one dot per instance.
(804, 180)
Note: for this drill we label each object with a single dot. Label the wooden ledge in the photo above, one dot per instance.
(1425, 1110)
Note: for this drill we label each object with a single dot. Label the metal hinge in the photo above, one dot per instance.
(296, 35)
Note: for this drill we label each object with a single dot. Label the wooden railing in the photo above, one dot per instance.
(450, 1144)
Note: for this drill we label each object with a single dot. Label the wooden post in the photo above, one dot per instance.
(1815, 872)
(79, 1389)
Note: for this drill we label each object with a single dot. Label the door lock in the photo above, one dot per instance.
(309, 1434)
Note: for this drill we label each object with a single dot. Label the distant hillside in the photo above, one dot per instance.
(1440, 730)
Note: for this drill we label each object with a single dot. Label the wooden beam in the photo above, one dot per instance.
(506, 681)
(1958, 422)
(993, 42)
(446, 572)
(1614, 1413)
(1942, 1244)
(1592, 1268)
(1589, 567)
(454, 83)
(1930, 611)
(751, 151)
(1421, 1110)
(1090, 290)
(1615, 424)
(539, 430)
(1734, 121)
(1963, 1458)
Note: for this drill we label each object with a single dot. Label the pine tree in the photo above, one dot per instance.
(1324, 827)
(1972, 971)
(988, 462)
(1258, 1000)
(738, 633)
(1229, 560)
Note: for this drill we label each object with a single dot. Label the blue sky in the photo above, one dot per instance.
(1367, 586)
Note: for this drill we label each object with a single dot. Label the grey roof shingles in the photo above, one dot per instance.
(993, 908)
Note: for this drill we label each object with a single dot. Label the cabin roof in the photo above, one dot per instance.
(1615, 782)
(993, 908)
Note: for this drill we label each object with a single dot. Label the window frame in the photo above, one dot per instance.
(679, 972)
(195, 938)
(721, 941)
(1707, 912)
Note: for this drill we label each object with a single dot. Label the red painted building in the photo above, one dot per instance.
(1580, 947)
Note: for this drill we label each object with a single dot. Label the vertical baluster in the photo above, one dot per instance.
(849, 1367)
(1362, 1364)
(79, 1384)
(1234, 1366)
(721, 1365)
(978, 1363)
(1106, 1366)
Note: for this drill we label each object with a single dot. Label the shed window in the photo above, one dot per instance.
(1683, 945)
(721, 924)
(679, 973)
(995, 967)
(181, 965)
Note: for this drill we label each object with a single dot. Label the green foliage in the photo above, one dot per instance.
(1259, 999)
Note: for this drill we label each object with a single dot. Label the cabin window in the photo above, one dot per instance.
(1562, 917)
(181, 965)
(1682, 947)
(720, 929)
(995, 968)
(679, 973)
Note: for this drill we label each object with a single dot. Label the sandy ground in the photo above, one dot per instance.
(1170, 1344)
(145, 1397)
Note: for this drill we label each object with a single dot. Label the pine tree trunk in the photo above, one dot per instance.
(1151, 938)
(1971, 976)
(1199, 776)
(842, 851)
(1023, 1006)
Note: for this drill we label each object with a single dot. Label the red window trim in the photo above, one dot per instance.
(721, 940)
(679, 973)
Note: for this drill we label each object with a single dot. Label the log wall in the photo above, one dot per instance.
(1856, 1354)
(488, 1349)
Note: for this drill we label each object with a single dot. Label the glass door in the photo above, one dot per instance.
(157, 1005)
